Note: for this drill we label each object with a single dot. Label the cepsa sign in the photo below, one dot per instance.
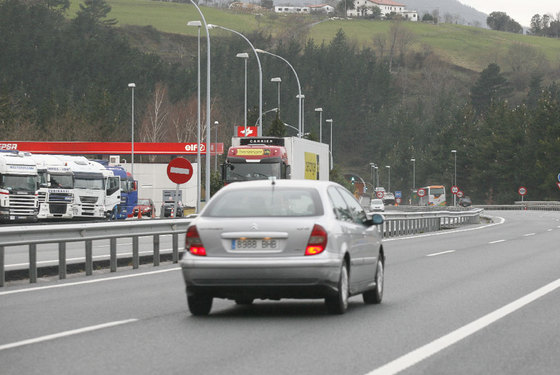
(8, 146)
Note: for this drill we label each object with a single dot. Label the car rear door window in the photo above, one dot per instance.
(356, 210)
(339, 205)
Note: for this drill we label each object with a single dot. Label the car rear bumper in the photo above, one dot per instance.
(262, 278)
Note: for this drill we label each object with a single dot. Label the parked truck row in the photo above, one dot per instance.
(46, 187)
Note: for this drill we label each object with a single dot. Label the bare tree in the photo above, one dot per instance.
(155, 122)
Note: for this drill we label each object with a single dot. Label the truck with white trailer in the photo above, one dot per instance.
(18, 187)
(257, 158)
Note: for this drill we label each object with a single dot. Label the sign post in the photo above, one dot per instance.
(522, 191)
(179, 171)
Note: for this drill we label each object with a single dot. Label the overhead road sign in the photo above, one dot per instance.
(110, 148)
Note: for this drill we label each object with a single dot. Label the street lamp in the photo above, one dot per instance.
(300, 132)
(132, 86)
(389, 183)
(320, 110)
(197, 24)
(270, 110)
(454, 152)
(211, 26)
(244, 56)
(207, 182)
(302, 100)
(373, 166)
(413, 173)
(277, 80)
(331, 149)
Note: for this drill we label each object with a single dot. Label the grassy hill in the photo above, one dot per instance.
(467, 47)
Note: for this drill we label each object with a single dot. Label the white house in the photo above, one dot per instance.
(364, 7)
(291, 9)
(325, 8)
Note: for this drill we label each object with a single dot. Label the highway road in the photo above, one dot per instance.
(477, 300)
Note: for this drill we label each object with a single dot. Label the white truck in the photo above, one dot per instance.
(257, 158)
(18, 187)
(89, 187)
(112, 189)
(56, 187)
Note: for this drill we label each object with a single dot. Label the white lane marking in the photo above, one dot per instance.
(443, 342)
(549, 230)
(174, 269)
(443, 232)
(440, 253)
(497, 241)
(529, 234)
(65, 334)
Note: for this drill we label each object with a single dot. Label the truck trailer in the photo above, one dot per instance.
(258, 158)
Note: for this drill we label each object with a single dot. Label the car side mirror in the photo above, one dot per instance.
(376, 219)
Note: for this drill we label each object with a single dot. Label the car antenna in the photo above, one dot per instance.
(272, 180)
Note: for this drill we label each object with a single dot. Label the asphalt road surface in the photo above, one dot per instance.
(478, 300)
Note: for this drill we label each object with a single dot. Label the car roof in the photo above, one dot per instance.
(287, 183)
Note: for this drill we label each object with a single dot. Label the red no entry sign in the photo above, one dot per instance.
(179, 170)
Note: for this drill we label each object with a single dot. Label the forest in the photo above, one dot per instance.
(67, 79)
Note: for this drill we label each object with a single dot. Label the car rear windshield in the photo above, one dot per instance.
(269, 202)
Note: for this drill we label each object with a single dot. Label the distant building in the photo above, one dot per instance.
(321, 8)
(292, 9)
(363, 8)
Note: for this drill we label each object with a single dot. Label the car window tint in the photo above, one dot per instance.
(273, 202)
(339, 205)
(356, 210)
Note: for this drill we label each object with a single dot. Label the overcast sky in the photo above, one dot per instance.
(521, 11)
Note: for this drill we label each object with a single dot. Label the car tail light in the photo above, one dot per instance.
(317, 241)
(194, 243)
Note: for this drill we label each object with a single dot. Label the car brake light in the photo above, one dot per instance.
(317, 241)
(193, 243)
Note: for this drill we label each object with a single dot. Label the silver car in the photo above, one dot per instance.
(274, 239)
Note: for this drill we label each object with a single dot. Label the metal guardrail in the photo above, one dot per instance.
(397, 223)
(527, 205)
(33, 235)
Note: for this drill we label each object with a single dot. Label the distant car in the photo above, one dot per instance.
(168, 209)
(465, 202)
(377, 205)
(146, 207)
(283, 239)
(389, 199)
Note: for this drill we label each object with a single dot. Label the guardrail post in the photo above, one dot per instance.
(2, 272)
(175, 247)
(135, 255)
(62, 260)
(33, 263)
(89, 257)
(113, 254)
(156, 250)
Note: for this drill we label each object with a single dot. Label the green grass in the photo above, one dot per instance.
(468, 47)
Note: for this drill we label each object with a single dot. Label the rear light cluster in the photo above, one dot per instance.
(317, 241)
(194, 243)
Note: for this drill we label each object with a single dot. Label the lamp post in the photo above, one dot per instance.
(245, 57)
(373, 167)
(454, 152)
(211, 26)
(270, 110)
(320, 110)
(207, 182)
(197, 24)
(389, 182)
(299, 96)
(278, 80)
(216, 124)
(413, 173)
(302, 100)
(132, 86)
(329, 120)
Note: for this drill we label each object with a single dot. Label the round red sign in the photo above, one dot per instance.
(179, 170)
(454, 189)
(459, 194)
(379, 194)
(421, 193)
(522, 190)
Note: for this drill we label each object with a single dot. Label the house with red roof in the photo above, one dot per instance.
(363, 8)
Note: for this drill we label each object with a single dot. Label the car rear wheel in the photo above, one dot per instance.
(375, 296)
(338, 303)
(199, 305)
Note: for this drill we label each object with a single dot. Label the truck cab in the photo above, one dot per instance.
(256, 159)
(18, 187)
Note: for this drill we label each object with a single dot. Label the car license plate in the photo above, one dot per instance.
(254, 244)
